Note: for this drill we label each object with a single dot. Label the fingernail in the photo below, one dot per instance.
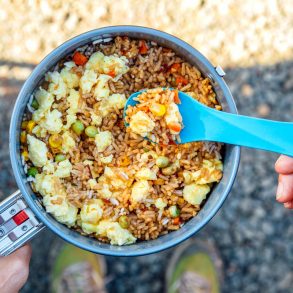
(280, 190)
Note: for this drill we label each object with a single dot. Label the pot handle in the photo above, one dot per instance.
(18, 223)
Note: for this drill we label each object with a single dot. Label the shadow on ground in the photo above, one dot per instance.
(253, 233)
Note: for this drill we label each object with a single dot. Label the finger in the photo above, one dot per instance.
(288, 205)
(24, 253)
(14, 270)
(285, 188)
(284, 165)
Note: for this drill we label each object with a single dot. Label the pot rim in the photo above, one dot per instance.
(14, 140)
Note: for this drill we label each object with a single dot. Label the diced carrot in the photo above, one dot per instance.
(143, 49)
(176, 221)
(175, 67)
(112, 73)
(106, 201)
(181, 80)
(172, 142)
(174, 126)
(176, 97)
(79, 58)
(144, 108)
(163, 145)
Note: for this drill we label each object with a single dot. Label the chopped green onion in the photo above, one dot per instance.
(123, 222)
(35, 104)
(174, 211)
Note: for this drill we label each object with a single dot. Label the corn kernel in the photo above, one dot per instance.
(125, 161)
(159, 181)
(24, 124)
(55, 141)
(30, 126)
(23, 137)
(25, 155)
(158, 109)
(180, 201)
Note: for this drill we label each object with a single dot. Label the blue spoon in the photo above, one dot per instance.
(202, 123)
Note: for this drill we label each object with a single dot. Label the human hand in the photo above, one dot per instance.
(284, 166)
(14, 270)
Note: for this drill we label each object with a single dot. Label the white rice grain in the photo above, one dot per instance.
(114, 201)
(165, 221)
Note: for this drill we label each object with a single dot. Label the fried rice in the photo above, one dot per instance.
(110, 186)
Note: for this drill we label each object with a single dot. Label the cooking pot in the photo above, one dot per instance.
(22, 215)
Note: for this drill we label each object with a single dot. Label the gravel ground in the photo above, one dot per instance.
(253, 233)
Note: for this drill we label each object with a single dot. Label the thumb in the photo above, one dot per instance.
(14, 270)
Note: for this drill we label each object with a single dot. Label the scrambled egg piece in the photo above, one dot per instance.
(194, 193)
(107, 160)
(117, 100)
(52, 122)
(37, 150)
(105, 192)
(146, 156)
(96, 119)
(111, 176)
(45, 101)
(92, 183)
(146, 174)
(95, 62)
(47, 184)
(73, 100)
(103, 139)
(70, 119)
(141, 123)
(115, 64)
(61, 209)
(116, 234)
(39, 131)
(160, 203)
(107, 64)
(70, 78)
(109, 104)
(173, 116)
(57, 86)
(49, 168)
(140, 191)
(90, 215)
(68, 142)
(63, 169)
(102, 90)
(87, 81)
(54, 199)
(211, 171)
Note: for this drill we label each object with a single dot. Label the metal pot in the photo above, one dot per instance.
(22, 215)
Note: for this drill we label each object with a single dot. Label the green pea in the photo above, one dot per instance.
(60, 158)
(35, 104)
(91, 131)
(162, 162)
(78, 127)
(32, 171)
(172, 169)
(146, 150)
(123, 222)
(174, 211)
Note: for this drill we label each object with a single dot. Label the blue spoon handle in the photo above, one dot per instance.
(251, 132)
